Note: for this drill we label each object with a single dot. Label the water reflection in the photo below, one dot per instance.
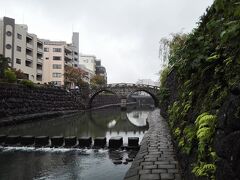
(105, 122)
(138, 117)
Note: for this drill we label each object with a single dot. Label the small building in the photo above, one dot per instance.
(101, 70)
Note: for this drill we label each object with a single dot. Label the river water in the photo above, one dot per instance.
(61, 163)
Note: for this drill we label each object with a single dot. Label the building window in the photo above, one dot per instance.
(9, 33)
(19, 36)
(57, 75)
(18, 61)
(57, 66)
(8, 46)
(19, 48)
(28, 63)
(46, 49)
(47, 58)
(57, 49)
(57, 58)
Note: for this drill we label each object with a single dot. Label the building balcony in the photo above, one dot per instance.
(29, 46)
(68, 57)
(68, 64)
(29, 58)
(39, 50)
(67, 49)
(39, 71)
(39, 60)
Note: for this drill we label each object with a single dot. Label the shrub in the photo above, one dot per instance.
(10, 76)
(27, 83)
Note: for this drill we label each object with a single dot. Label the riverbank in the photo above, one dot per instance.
(13, 120)
(156, 158)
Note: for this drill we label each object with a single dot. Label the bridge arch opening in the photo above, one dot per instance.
(145, 93)
(103, 97)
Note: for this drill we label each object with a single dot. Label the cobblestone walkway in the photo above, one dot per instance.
(156, 157)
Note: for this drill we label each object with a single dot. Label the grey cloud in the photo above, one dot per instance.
(123, 33)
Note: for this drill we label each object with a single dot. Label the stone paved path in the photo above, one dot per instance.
(156, 158)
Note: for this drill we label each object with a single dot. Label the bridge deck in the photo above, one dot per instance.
(156, 158)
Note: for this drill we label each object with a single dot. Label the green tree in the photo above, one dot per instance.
(74, 75)
(97, 80)
(169, 48)
(3, 65)
(10, 75)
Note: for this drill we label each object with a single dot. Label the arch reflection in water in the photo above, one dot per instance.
(138, 117)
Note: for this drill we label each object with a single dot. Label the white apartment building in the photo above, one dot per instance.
(89, 74)
(24, 50)
(57, 54)
(89, 61)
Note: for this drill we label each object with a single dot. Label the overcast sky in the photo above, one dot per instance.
(124, 34)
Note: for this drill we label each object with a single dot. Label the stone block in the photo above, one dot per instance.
(2, 138)
(27, 140)
(84, 141)
(57, 141)
(133, 141)
(149, 176)
(115, 142)
(41, 141)
(100, 142)
(70, 141)
(12, 140)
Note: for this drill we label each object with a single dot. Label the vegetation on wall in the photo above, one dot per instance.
(207, 66)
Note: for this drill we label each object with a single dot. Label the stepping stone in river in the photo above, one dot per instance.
(70, 141)
(133, 142)
(2, 138)
(57, 141)
(115, 142)
(100, 142)
(84, 141)
(27, 140)
(41, 141)
(12, 140)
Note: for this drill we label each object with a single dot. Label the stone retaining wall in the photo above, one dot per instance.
(18, 100)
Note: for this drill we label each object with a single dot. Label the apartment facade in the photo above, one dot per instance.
(24, 50)
(57, 55)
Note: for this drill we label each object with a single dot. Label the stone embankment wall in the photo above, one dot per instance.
(200, 94)
(18, 100)
(226, 138)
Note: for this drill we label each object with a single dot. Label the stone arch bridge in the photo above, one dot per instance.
(123, 91)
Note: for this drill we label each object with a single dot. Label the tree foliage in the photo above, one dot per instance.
(74, 75)
(97, 80)
(3, 65)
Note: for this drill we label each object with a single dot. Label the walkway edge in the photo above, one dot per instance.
(156, 158)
